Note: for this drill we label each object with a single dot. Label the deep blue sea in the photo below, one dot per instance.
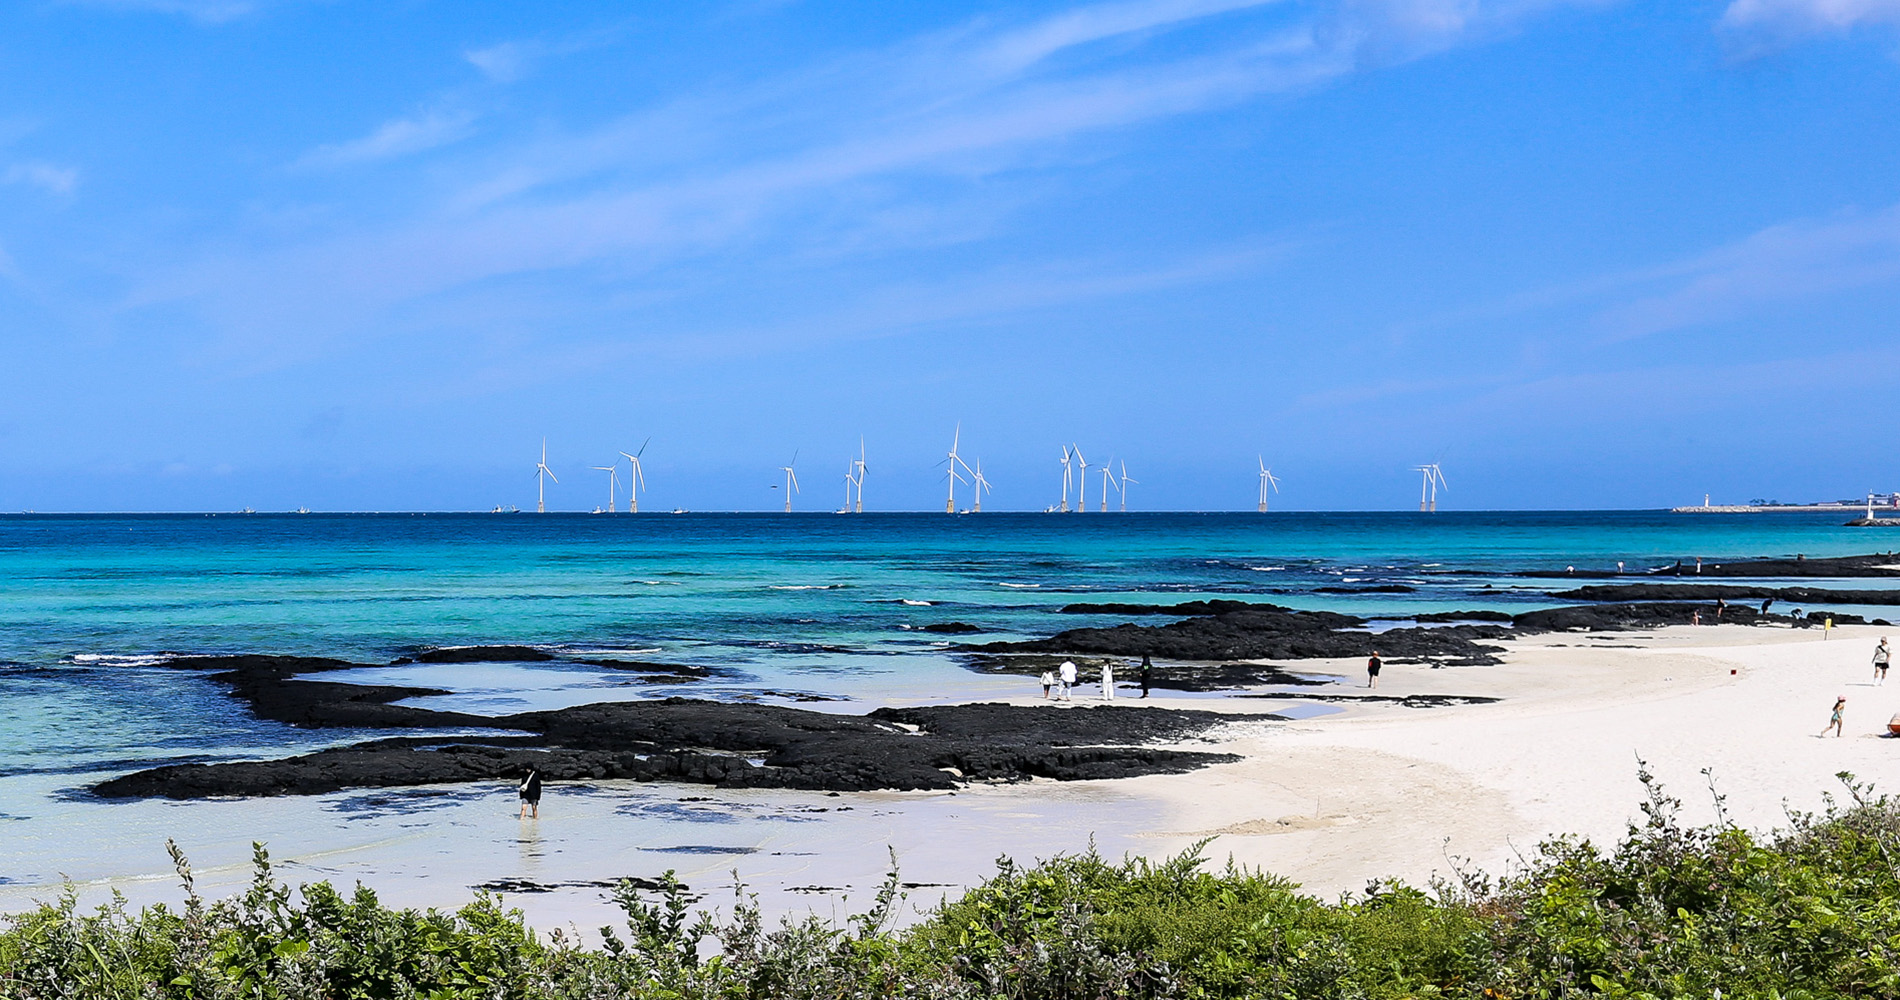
(785, 606)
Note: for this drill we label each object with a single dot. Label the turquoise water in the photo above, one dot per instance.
(783, 606)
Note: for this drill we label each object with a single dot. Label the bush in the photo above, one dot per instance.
(1672, 911)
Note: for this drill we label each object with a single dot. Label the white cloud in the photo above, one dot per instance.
(1764, 24)
(52, 179)
(399, 137)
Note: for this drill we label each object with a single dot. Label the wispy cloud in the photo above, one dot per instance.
(398, 137)
(826, 156)
(202, 11)
(1787, 263)
(47, 177)
(506, 62)
(1758, 25)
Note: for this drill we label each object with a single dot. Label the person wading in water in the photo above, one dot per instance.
(531, 795)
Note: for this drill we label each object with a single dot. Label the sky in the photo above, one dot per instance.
(370, 255)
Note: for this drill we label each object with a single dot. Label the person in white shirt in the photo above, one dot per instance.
(1066, 674)
(1108, 680)
(1048, 681)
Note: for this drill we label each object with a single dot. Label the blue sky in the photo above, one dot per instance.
(362, 255)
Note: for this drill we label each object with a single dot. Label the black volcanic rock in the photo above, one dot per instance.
(1622, 617)
(1185, 609)
(1259, 633)
(732, 746)
(951, 628)
(1878, 564)
(1708, 592)
(482, 654)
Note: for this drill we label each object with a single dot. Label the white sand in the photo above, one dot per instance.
(1375, 791)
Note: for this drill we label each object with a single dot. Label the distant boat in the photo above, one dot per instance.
(301, 510)
(247, 510)
(681, 510)
(598, 510)
(509, 509)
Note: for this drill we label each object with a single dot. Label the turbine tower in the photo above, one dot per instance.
(791, 482)
(541, 475)
(1108, 477)
(1434, 479)
(1123, 491)
(950, 505)
(850, 480)
(1266, 480)
(1068, 476)
(1082, 488)
(861, 468)
(636, 477)
(613, 480)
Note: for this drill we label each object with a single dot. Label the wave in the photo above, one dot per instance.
(1020, 586)
(916, 604)
(115, 660)
(807, 586)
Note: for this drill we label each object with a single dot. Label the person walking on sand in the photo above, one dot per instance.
(1048, 681)
(1372, 670)
(1108, 680)
(530, 792)
(1881, 657)
(1834, 721)
(1066, 675)
(1147, 674)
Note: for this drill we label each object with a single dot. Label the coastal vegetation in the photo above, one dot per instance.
(1673, 910)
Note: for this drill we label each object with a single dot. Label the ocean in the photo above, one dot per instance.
(785, 608)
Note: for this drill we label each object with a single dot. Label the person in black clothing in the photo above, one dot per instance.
(1765, 604)
(1147, 674)
(531, 794)
(1372, 670)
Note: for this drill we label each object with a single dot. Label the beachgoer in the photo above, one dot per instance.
(1834, 721)
(1372, 670)
(1695, 618)
(1619, 565)
(1765, 604)
(530, 792)
(1827, 628)
(1720, 606)
(1698, 565)
(1881, 655)
(1147, 674)
(1065, 675)
(1048, 681)
(1108, 680)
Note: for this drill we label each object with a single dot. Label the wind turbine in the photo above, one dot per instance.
(1082, 490)
(1123, 491)
(613, 480)
(1108, 476)
(950, 505)
(1267, 480)
(542, 474)
(791, 482)
(861, 470)
(636, 477)
(1434, 478)
(850, 480)
(1068, 476)
(977, 485)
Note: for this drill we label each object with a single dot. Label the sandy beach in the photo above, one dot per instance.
(1376, 790)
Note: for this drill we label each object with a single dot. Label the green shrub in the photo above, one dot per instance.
(1671, 911)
